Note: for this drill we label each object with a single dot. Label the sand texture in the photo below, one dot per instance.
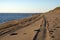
(44, 26)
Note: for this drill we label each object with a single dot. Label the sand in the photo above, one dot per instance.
(46, 27)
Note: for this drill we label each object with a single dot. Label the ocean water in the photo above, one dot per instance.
(4, 17)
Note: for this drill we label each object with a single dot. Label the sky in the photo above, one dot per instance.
(27, 6)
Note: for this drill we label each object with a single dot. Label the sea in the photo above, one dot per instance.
(4, 17)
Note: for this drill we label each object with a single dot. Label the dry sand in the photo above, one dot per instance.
(45, 28)
(26, 33)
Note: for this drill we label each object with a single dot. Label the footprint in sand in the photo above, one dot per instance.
(51, 31)
(13, 34)
(58, 27)
(24, 33)
(53, 36)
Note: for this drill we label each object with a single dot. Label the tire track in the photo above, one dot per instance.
(42, 30)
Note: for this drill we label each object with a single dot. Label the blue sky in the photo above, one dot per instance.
(28, 6)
